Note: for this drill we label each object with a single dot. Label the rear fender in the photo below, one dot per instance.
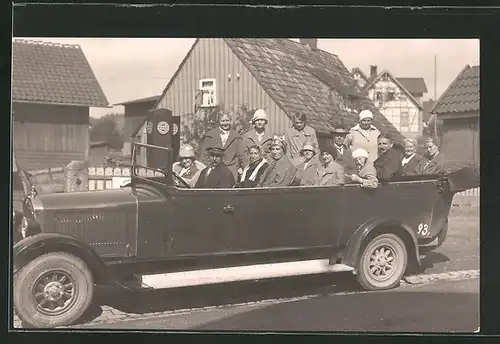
(32, 247)
(373, 227)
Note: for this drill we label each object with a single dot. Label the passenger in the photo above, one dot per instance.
(281, 171)
(364, 135)
(297, 135)
(330, 172)
(388, 163)
(307, 171)
(253, 172)
(230, 141)
(343, 154)
(434, 160)
(188, 168)
(366, 174)
(258, 135)
(410, 159)
(216, 174)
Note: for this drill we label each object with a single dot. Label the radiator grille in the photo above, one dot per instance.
(94, 228)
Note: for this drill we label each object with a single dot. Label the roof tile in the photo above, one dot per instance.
(462, 95)
(413, 85)
(289, 73)
(54, 73)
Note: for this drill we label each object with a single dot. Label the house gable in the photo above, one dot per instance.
(235, 85)
(385, 77)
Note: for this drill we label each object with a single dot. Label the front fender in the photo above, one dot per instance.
(31, 247)
(379, 226)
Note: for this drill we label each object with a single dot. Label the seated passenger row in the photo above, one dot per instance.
(330, 166)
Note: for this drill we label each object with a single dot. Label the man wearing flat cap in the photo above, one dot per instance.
(364, 135)
(216, 174)
(342, 153)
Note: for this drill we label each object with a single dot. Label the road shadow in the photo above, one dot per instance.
(397, 311)
(143, 302)
(433, 258)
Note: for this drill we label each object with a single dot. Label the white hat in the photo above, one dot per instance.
(360, 153)
(308, 147)
(259, 114)
(186, 151)
(365, 114)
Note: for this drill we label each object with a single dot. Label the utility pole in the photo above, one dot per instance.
(435, 97)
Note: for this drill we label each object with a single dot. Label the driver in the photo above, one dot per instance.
(188, 168)
(216, 174)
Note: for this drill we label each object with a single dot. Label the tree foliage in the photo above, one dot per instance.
(203, 120)
(107, 128)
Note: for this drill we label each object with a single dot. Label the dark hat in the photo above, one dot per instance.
(217, 151)
(329, 149)
(340, 130)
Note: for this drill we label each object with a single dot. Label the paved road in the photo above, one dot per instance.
(442, 306)
(460, 252)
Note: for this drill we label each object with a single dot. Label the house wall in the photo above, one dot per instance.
(97, 155)
(134, 113)
(212, 58)
(47, 135)
(394, 109)
(460, 138)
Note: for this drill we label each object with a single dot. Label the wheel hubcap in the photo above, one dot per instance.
(382, 263)
(54, 293)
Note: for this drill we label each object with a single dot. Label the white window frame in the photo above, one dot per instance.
(205, 90)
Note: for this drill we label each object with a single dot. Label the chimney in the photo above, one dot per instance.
(311, 42)
(373, 71)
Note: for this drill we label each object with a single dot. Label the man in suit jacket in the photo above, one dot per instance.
(217, 174)
(230, 141)
(434, 164)
(342, 153)
(388, 163)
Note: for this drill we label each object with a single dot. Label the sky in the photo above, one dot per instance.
(132, 68)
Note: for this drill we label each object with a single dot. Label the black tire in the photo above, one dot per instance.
(45, 283)
(396, 249)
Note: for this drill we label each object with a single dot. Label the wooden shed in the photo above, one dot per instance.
(458, 112)
(278, 75)
(53, 87)
(135, 115)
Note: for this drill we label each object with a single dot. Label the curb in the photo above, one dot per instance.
(444, 276)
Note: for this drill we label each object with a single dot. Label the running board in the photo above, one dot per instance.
(240, 273)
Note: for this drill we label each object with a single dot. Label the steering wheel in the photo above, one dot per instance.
(178, 180)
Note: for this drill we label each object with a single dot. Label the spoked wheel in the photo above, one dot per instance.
(53, 290)
(382, 263)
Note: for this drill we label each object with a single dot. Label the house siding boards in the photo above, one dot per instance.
(460, 139)
(46, 135)
(212, 58)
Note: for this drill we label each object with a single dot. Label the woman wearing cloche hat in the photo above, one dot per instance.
(307, 171)
(330, 172)
(188, 168)
(364, 135)
(281, 171)
(258, 135)
(366, 173)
